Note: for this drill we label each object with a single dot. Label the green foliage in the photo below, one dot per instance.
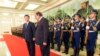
(85, 12)
(51, 19)
(60, 14)
(98, 16)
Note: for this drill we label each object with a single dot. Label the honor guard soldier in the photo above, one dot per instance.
(57, 33)
(76, 34)
(93, 27)
(51, 34)
(66, 34)
(82, 32)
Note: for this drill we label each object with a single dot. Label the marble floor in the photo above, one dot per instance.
(4, 49)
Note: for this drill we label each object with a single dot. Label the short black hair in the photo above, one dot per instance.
(59, 18)
(39, 14)
(27, 16)
(78, 15)
(94, 11)
(83, 17)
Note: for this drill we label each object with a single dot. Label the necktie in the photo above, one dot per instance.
(26, 25)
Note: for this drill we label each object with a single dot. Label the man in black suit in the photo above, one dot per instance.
(42, 31)
(28, 33)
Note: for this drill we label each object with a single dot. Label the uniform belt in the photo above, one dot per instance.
(76, 31)
(91, 31)
(57, 30)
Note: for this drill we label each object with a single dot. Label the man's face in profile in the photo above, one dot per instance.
(37, 17)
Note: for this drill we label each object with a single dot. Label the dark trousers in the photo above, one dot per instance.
(31, 47)
(58, 40)
(76, 51)
(82, 33)
(76, 43)
(91, 42)
(51, 39)
(45, 50)
(66, 41)
(90, 53)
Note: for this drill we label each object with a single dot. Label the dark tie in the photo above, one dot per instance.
(26, 25)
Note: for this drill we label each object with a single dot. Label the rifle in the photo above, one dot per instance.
(54, 31)
(87, 31)
(71, 31)
(87, 25)
(61, 35)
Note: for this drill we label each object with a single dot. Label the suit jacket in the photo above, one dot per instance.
(42, 31)
(29, 31)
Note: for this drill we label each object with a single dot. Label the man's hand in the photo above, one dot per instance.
(33, 39)
(44, 43)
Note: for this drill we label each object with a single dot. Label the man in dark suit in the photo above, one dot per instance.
(28, 33)
(42, 31)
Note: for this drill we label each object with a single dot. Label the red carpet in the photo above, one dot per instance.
(17, 46)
